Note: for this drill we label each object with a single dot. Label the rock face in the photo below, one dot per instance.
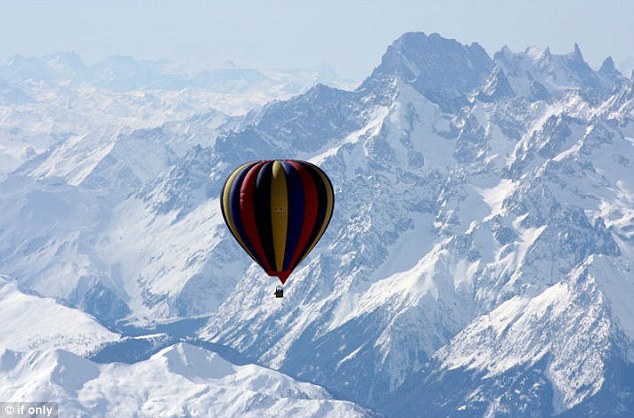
(479, 261)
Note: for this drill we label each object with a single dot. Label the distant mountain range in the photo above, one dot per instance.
(124, 73)
(48, 99)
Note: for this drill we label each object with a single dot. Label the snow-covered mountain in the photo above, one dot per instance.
(49, 99)
(181, 380)
(31, 322)
(479, 261)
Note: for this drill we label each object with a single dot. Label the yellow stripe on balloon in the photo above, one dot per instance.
(279, 212)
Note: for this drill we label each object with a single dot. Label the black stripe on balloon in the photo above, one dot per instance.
(295, 212)
(331, 191)
(234, 208)
(262, 208)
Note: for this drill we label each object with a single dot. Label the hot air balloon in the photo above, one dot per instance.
(277, 210)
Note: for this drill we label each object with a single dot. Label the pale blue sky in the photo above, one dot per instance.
(350, 36)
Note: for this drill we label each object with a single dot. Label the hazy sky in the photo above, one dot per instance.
(348, 35)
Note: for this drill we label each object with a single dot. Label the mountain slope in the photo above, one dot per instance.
(30, 322)
(180, 380)
(446, 215)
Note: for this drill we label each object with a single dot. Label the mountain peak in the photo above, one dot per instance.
(548, 56)
(505, 51)
(496, 87)
(538, 54)
(537, 68)
(69, 57)
(66, 64)
(577, 52)
(443, 70)
(608, 68)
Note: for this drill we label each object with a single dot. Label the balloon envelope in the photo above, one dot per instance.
(277, 210)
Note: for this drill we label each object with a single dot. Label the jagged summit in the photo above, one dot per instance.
(496, 88)
(541, 75)
(608, 68)
(443, 70)
(538, 54)
(577, 52)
